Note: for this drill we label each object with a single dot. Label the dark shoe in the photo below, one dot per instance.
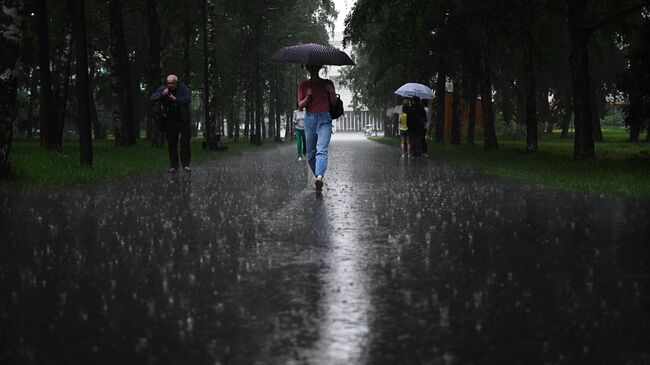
(319, 183)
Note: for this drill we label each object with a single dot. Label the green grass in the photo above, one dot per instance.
(37, 169)
(620, 168)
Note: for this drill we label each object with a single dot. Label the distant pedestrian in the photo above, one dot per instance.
(299, 121)
(415, 122)
(316, 95)
(176, 99)
(403, 130)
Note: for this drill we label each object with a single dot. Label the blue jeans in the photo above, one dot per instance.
(318, 131)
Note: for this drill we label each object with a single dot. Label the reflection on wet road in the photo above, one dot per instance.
(396, 262)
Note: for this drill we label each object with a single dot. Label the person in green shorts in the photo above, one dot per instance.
(299, 121)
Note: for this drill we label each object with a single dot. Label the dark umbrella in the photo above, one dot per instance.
(313, 54)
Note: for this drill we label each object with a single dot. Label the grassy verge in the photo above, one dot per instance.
(620, 168)
(37, 169)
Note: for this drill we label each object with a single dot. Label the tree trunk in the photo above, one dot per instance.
(595, 105)
(579, 37)
(247, 114)
(62, 84)
(154, 75)
(635, 132)
(520, 102)
(121, 92)
(471, 124)
(531, 85)
(288, 127)
(257, 88)
(440, 106)
(48, 116)
(271, 116)
(83, 85)
(11, 23)
(489, 124)
(98, 128)
(210, 51)
(231, 118)
(456, 113)
(278, 123)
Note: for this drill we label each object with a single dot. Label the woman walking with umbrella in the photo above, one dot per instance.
(316, 95)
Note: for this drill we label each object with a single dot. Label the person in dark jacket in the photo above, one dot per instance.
(176, 99)
(415, 117)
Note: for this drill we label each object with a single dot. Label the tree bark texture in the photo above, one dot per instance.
(122, 113)
(61, 84)
(210, 44)
(257, 88)
(83, 84)
(48, 116)
(531, 86)
(456, 113)
(471, 124)
(633, 118)
(98, 129)
(579, 38)
(154, 75)
(596, 97)
(440, 107)
(11, 24)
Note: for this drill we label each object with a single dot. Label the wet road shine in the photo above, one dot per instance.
(395, 262)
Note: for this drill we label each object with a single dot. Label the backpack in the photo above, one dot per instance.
(336, 110)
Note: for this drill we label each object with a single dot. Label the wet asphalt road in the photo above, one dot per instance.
(395, 262)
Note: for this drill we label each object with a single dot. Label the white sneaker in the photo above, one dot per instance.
(300, 158)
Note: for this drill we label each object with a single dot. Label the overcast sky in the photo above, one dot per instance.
(343, 7)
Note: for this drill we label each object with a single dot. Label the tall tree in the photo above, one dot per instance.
(209, 64)
(121, 91)
(456, 113)
(61, 80)
(154, 74)
(579, 36)
(11, 28)
(49, 135)
(83, 86)
(441, 95)
(530, 81)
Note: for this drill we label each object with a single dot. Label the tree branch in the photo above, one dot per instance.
(643, 3)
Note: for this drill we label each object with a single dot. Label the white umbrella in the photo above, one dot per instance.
(414, 89)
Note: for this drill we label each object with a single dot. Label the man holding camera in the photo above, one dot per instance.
(176, 99)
